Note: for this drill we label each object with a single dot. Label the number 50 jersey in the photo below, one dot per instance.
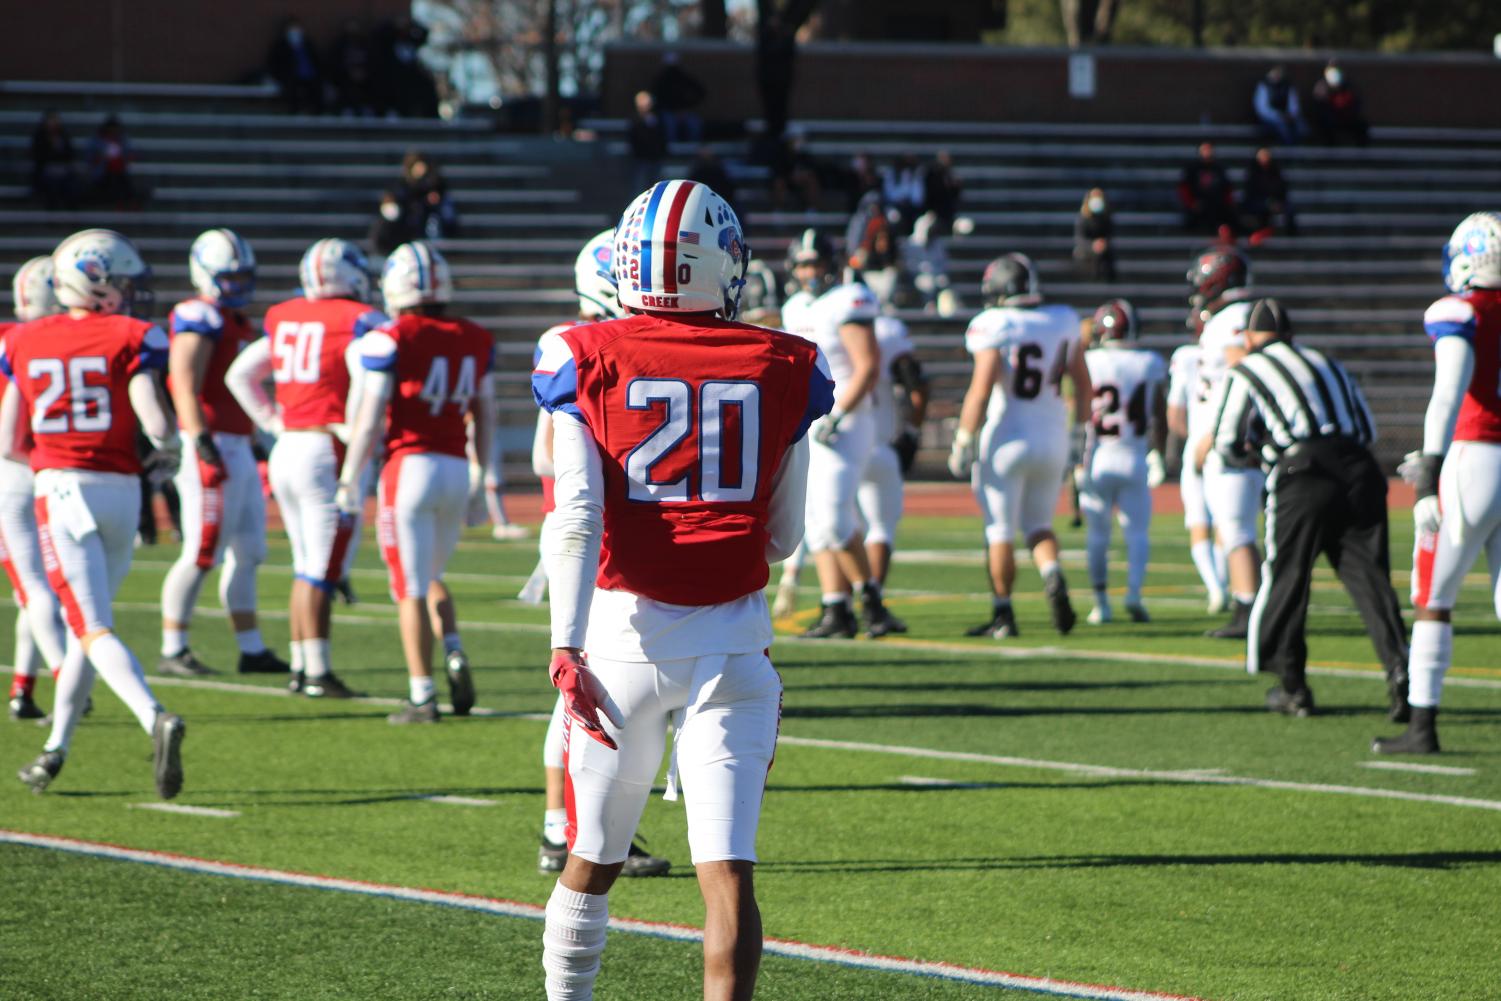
(1035, 344)
(309, 338)
(692, 418)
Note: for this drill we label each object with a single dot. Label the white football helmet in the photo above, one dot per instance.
(415, 275)
(679, 248)
(1472, 257)
(594, 279)
(335, 269)
(222, 267)
(31, 290)
(101, 271)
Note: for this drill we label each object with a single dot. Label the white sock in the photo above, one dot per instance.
(1244, 597)
(451, 643)
(74, 682)
(294, 651)
(1427, 661)
(315, 658)
(1203, 557)
(572, 940)
(122, 673)
(25, 659)
(554, 825)
(835, 597)
(421, 690)
(1101, 597)
(174, 641)
(250, 641)
(1047, 569)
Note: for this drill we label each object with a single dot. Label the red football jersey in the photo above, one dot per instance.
(73, 375)
(1476, 317)
(692, 418)
(230, 331)
(437, 364)
(308, 341)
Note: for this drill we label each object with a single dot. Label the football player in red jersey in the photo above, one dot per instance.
(1458, 472)
(428, 371)
(681, 461)
(38, 626)
(309, 351)
(223, 509)
(88, 379)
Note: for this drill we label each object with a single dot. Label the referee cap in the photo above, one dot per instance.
(1268, 317)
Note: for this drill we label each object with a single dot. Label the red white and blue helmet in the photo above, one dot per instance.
(101, 271)
(335, 269)
(221, 266)
(31, 290)
(594, 279)
(679, 248)
(415, 275)
(1472, 257)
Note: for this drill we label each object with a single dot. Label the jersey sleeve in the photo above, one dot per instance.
(986, 332)
(894, 339)
(154, 348)
(377, 350)
(369, 320)
(820, 396)
(1180, 377)
(555, 376)
(196, 317)
(1451, 316)
(858, 304)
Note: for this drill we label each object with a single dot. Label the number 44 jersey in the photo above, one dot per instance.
(692, 418)
(436, 364)
(1035, 345)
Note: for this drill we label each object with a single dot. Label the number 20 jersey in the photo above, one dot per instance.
(1035, 345)
(309, 338)
(74, 375)
(692, 418)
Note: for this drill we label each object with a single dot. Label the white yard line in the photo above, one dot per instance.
(191, 811)
(1410, 766)
(455, 800)
(516, 909)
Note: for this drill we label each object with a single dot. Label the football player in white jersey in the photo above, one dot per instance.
(1208, 557)
(1221, 301)
(1023, 350)
(1122, 455)
(840, 319)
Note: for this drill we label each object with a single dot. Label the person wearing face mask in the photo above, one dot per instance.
(1337, 109)
(391, 227)
(1094, 238)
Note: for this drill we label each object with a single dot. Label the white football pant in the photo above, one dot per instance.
(879, 495)
(834, 473)
(1118, 482)
(304, 469)
(224, 523)
(1017, 483)
(421, 503)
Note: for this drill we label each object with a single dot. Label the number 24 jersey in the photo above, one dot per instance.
(692, 418)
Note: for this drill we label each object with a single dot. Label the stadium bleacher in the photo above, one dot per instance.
(1357, 278)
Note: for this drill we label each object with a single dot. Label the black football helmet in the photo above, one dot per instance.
(1011, 280)
(811, 247)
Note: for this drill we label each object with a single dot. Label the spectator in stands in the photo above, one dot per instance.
(390, 228)
(1264, 202)
(54, 174)
(903, 192)
(1094, 238)
(350, 59)
(862, 180)
(677, 94)
(1336, 108)
(404, 85)
(293, 63)
(109, 158)
(942, 190)
(648, 138)
(425, 202)
(708, 169)
(1205, 192)
(926, 251)
(1276, 103)
(795, 172)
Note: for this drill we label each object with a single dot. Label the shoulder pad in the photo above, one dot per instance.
(197, 316)
(1451, 316)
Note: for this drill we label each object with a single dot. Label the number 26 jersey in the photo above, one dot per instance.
(692, 418)
(1036, 346)
(309, 338)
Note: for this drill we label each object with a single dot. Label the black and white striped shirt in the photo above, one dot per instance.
(1284, 394)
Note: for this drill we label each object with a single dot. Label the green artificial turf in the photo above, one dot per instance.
(1027, 860)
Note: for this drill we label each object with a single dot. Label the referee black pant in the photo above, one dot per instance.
(1326, 497)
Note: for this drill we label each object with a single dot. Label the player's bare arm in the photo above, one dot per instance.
(247, 379)
(187, 364)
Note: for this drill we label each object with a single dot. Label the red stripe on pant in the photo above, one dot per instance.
(385, 526)
(211, 517)
(1422, 569)
(72, 611)
(571, 826)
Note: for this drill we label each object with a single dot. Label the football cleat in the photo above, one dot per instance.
(25, 707)
(40, 773)
(327, 687)
(640, 862)
(262, 662)
(295, 685)
(878, 619)
(1280, 700)
(460, 682)
(836, 620)
(1099, 615)
(1002, 625)
(1138, 613)
(183, 665)
(1239, 625)
(551, 856)
(1056, 590)
(166, 753)
(410, 712)
(1420, 737)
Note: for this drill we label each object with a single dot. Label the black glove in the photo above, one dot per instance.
(905, 447)
(1426, 480)
(208, 450)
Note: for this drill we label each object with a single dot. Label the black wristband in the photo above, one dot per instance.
(208, 450)
(1429, 467)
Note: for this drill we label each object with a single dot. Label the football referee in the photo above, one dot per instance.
(1301, 415)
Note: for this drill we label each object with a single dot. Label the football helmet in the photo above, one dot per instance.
(1011, 280)
(1115, 322)
(31, 290)
(335, 269)
(594, 279)
(1215, 271)
(1472, 257)
(222, 267)
(811, 247)
(101, 271)
(760, 298)
(679, 248)
(415, 275)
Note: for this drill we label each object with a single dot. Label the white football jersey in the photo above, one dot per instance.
(1036, 346)
(894, 341)
(1183, 376)
(818, 319)
(1225, 330)
(1125, 385)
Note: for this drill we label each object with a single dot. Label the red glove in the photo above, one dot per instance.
(583, 697)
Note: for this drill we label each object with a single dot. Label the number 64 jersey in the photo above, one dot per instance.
(1035, 345)
(692, 418)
